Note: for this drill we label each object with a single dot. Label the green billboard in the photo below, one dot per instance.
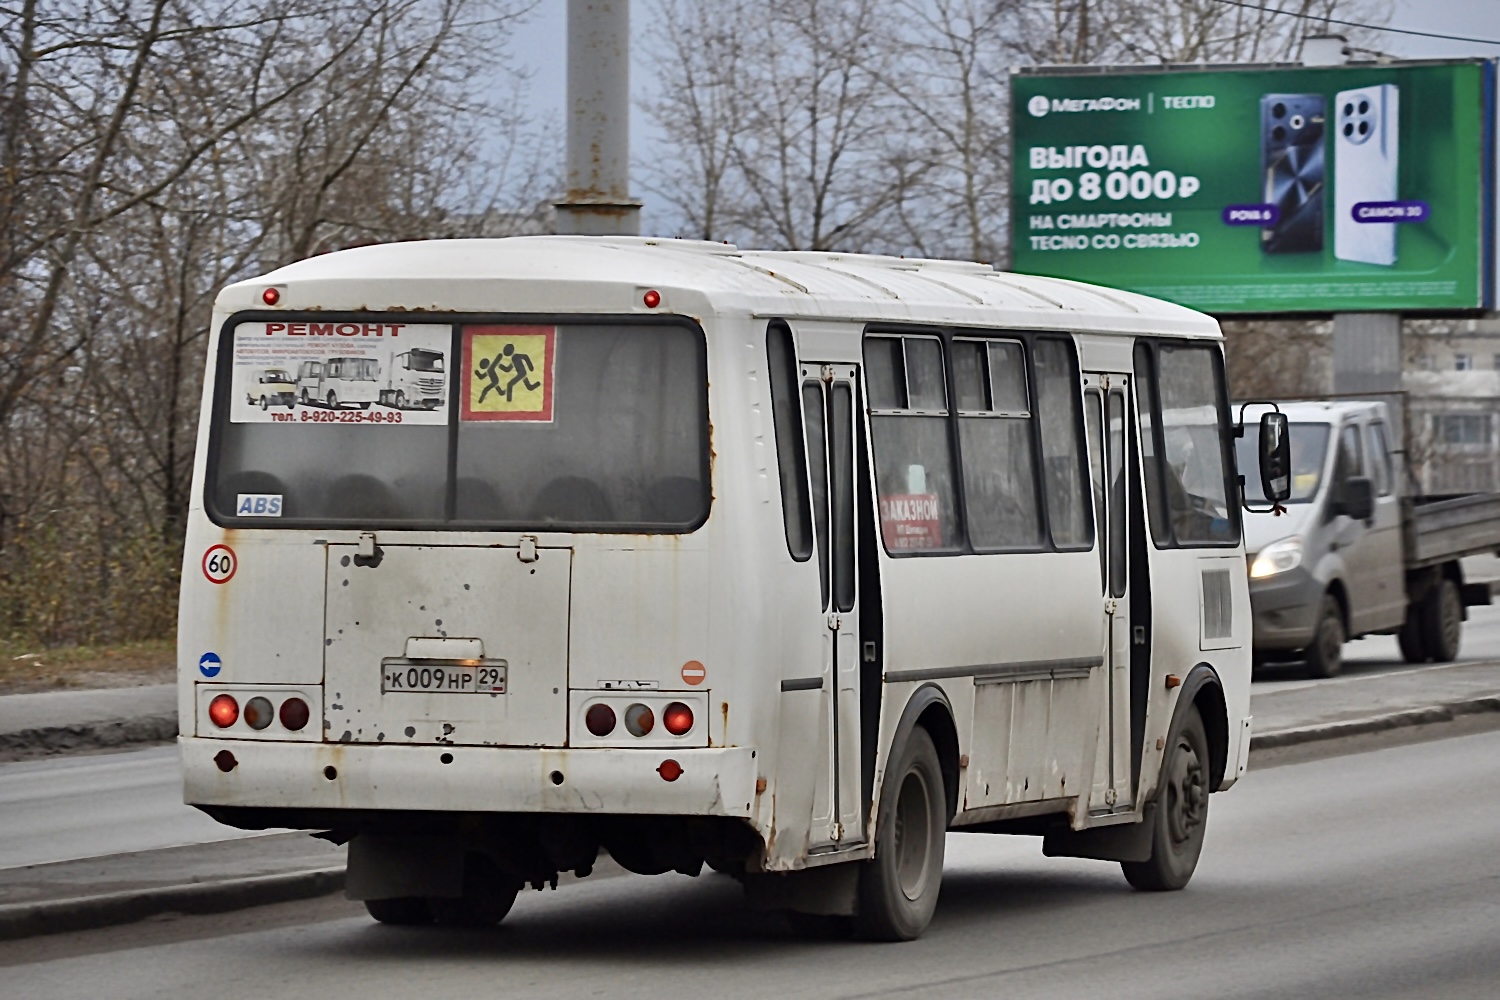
(1270, 190)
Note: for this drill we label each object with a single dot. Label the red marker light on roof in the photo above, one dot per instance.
(652, 299)
(223, 711)
(270, 296)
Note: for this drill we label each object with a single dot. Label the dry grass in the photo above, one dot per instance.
(127, 665)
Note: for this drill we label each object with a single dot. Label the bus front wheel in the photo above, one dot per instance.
(898, 889)
(1181, 815)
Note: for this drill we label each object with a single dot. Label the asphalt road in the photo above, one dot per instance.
(1372, 875)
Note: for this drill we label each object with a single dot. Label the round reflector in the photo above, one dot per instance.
(270, 296)
(670, 770)
(600, 719)
(639, 720)
(259, 713)
(223, 711)
(652, 299)
(678, 718)
(294, 714)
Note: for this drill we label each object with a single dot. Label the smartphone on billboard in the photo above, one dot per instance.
(1365, 162)
(1292, 171)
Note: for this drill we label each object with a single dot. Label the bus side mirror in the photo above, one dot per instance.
(1275, 458)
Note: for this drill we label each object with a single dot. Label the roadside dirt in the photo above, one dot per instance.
(24, 670)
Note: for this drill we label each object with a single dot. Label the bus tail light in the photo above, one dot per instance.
(678, 718)
(224, 711)
(639, 720)
(259, 713)
(600, 719)
(294, 714)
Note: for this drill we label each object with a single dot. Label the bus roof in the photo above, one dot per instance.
(610, 274)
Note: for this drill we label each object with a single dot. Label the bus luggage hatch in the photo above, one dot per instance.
(446, 644)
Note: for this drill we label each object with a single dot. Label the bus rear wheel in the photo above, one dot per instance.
(1180, 818)
(898, 889)
(405, 911)
(487, 896)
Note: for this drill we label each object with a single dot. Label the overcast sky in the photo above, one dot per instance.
(542, 45)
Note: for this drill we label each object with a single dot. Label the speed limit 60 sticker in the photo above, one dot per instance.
(219, 563)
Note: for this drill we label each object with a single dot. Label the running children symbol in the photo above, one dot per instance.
(509, 372)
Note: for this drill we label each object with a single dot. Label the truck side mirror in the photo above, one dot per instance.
(1358, 500)
(1275, 458)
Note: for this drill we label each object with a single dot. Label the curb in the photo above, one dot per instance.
(1445, 712)
(104, 734)
(23, 920)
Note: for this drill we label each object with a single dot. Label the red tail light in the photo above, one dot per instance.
(223, 711)
(678, 718)
(294, 714)
(600, 719)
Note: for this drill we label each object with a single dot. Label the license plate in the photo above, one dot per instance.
(411, 678)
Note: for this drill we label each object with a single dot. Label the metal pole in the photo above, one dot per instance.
(598, 201)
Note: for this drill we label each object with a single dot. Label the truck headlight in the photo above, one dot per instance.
(1278, 557)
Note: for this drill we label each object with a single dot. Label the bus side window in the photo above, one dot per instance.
(1187, 467)
(914, 476)
(996, 449)
(1062, 446)
(791, 456)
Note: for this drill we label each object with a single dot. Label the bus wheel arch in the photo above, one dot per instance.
(1204, 690)
(929, 708)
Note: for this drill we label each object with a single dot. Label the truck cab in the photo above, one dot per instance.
(1328, 565)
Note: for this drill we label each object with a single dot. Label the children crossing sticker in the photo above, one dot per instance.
(508, 372)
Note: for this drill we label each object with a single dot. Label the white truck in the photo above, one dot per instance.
(1350, 553)
(415, 378)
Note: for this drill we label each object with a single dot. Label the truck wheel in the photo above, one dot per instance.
(400, 400)
(406, 911)
(898, 889)
(1413, 648)
(1325, 657)
(1181, 816)
(1442, 621)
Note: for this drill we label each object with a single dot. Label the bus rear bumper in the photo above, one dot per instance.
(267, 775)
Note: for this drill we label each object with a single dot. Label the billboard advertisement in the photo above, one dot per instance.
(1325, 189)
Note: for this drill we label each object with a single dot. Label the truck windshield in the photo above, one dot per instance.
(425, 361)
(570, 427)
(1309, 448)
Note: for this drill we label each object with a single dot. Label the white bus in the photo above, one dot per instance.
(784, 563)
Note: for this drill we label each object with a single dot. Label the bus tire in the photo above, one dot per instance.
(1409, 638)
(400, 400)
(898, 889)
(1181, 815)
(1325, 656)
(1442, 621)
(404, 911)
(265, 402)
(333, 400)
(488, 896)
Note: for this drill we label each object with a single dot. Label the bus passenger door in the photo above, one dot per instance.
(828, 409)
(1107, 413)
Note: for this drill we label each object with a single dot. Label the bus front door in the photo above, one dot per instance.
(829, 412)
(1107, 414)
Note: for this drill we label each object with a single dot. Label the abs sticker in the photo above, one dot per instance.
(508, 372)
(258, 505)
(219, 563)
(209, 665)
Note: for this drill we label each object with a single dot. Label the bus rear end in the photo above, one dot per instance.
(430, 632)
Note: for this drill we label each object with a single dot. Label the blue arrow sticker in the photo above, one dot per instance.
(210, 665)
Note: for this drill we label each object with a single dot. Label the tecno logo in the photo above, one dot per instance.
(1039, 105)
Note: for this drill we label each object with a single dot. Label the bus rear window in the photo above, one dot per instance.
(589, 427)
